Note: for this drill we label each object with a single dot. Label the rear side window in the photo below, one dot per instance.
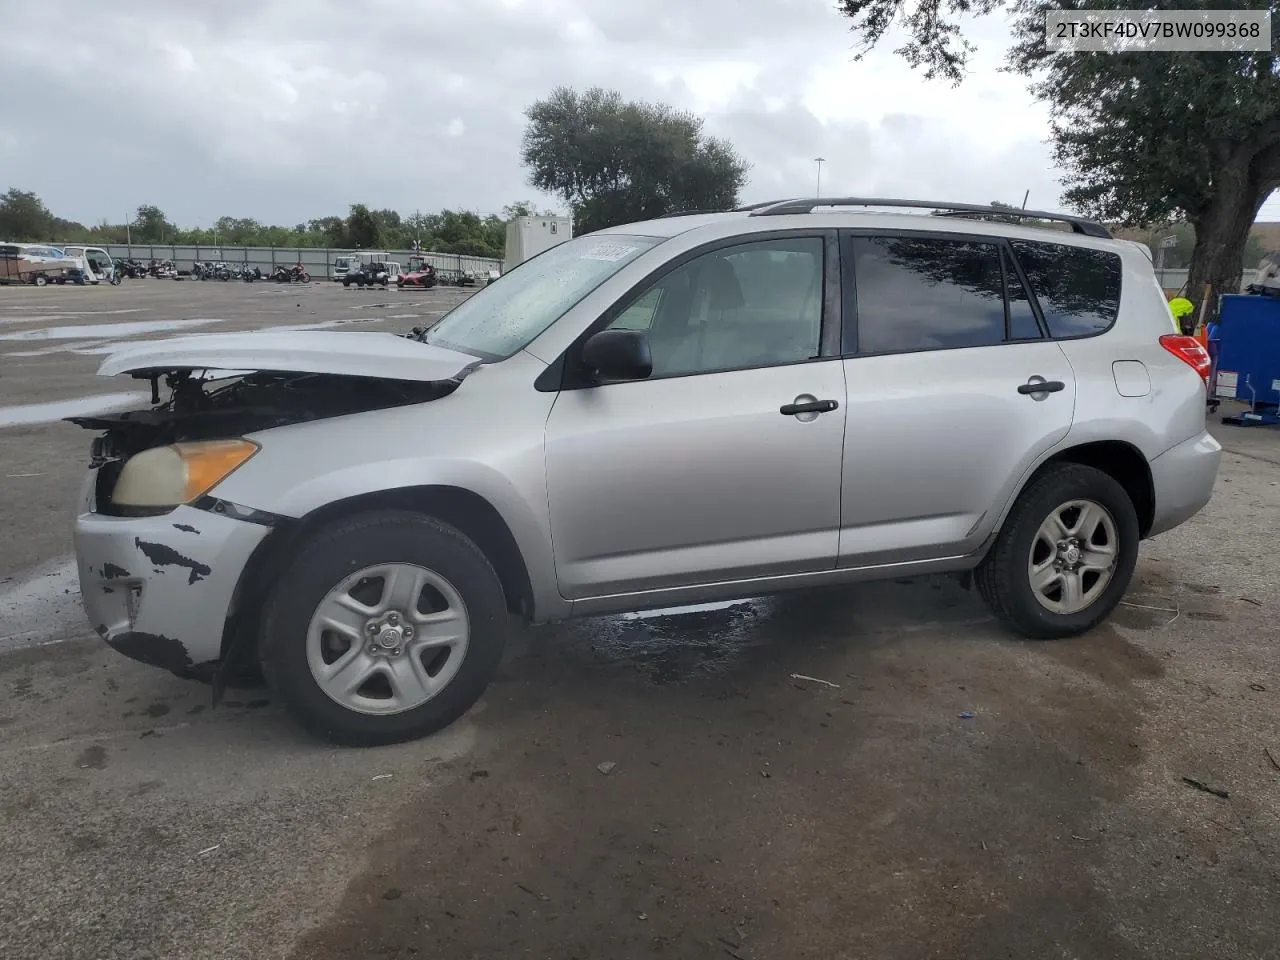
(917, 293)
(1078, 289)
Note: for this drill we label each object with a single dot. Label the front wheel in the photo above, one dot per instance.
(386, 627)
(1065, 555)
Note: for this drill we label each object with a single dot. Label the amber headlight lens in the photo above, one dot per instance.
(168, 476)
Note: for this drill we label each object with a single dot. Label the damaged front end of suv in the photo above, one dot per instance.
(169, 571)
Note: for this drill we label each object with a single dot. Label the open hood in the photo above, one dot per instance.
(384, 356)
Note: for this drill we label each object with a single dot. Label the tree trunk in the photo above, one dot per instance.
(1222, 229)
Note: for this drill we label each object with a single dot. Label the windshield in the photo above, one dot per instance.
(504, 317)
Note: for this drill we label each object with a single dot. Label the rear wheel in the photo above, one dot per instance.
(1065, 555)
(387, 626)
(40, 280)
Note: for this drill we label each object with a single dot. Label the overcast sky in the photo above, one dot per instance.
(283, 111)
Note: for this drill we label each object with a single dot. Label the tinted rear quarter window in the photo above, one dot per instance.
(1078, 289)
(919, 293)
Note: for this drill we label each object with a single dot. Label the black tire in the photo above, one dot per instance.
(350, 544)
(1002, 578)
(346, 282)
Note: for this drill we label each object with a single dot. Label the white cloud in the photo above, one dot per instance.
(264, 109)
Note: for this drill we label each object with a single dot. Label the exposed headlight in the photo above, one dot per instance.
(168, 476)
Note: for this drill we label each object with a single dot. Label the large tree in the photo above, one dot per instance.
(151, 226)
(23, 216)
(1144, 137)
(615, 161)
(363, 230)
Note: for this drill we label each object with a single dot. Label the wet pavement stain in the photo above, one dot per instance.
(157, 709)
(93, 757)
(78, 407)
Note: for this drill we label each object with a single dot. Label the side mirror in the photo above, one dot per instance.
(618, 355)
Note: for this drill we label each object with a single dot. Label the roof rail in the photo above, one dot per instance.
(783, 207)
(695, 212)
(757, 206)
(685, 213)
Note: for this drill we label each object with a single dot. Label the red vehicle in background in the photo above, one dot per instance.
(419, 274)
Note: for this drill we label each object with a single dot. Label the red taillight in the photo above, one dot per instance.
(1190, 351)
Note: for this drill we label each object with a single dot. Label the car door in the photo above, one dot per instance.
(706, 471)
(954, 391)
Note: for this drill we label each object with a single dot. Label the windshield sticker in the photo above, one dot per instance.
(609, 251)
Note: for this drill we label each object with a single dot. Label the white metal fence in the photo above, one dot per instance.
(317, 261)
(1176, 279)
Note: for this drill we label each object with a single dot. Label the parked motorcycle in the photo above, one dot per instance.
(130, 269)
(294, 274)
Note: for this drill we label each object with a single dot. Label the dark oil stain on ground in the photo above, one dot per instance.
(93, 756)
(157, 709)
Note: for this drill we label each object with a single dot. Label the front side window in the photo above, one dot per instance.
(1078, 289)
(506, 316)
(917, 293)
(749, 305)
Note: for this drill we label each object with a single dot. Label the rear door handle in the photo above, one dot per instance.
(811, 406)
(1041, 386)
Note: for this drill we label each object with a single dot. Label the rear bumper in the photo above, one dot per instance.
(1182, 478)
(158, 589)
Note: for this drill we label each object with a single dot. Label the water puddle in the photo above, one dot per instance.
(672, 644)
(67, 315)
(74, 346)
(82, 331)
(55, 410)
(42, 607)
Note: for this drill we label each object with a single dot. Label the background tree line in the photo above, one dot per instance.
(24, 217)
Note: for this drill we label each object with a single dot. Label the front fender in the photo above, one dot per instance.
(486, 438)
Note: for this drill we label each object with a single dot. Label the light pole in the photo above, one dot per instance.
(819, 161)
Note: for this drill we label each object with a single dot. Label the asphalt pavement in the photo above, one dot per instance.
(873, 771)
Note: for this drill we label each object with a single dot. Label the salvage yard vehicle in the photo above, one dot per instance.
(374, 273)
(38, 264)
(98, 265)
(420, 274)
(351, 262)
(850, 396)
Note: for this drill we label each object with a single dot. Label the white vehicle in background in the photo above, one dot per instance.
(39, 264)
(529, 236)
(350, 263)
(97, 264)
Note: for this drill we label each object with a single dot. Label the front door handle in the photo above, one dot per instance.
(1037, 385)
(809, 406)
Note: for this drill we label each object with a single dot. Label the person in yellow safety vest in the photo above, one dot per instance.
(1182, 307)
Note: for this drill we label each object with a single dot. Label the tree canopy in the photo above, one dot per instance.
(1144, 137)
(615, 161)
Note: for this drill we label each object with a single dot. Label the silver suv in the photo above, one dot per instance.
(691, 409)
